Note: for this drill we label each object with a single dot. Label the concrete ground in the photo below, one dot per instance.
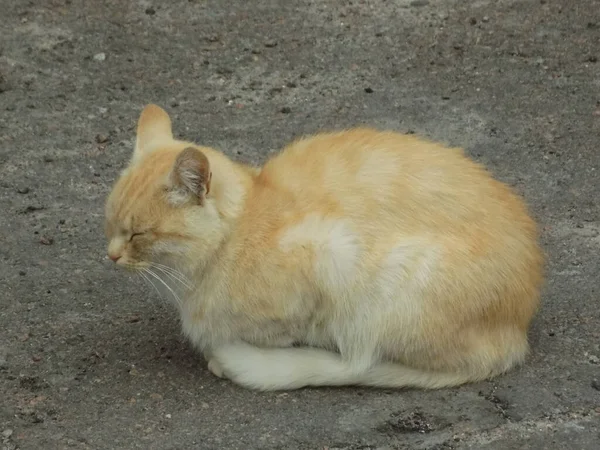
(90, 358)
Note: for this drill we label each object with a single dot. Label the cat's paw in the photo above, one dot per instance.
(243, 364)
(215, 368)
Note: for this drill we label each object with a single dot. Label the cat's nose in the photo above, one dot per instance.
(115, 257)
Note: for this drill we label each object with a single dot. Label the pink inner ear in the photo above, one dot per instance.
(192, 172)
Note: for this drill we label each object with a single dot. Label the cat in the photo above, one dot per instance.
(354, 257)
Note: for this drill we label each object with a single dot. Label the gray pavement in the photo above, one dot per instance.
(90, 358)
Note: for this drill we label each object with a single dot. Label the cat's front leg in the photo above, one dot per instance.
(279, 368)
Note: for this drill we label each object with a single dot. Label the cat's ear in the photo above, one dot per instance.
(154, 127)
(191, 175)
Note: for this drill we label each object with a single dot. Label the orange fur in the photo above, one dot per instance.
(390, 260)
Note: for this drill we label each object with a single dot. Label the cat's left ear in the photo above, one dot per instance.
(191, 175)
(153, 128)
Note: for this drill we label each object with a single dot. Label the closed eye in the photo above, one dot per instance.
(136, 234)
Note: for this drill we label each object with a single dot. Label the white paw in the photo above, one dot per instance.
(245, 365)
(215, 368)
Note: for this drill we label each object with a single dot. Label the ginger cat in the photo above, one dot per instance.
(359, 257)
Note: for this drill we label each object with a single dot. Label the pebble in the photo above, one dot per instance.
(23, 190)
(100, 56)
(46, 240)
(596, 384)
(7, 433)
(270, 43)
(286, 110)
(150, 11)
(101, 138)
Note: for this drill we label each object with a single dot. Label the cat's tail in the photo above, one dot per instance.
(293, 368)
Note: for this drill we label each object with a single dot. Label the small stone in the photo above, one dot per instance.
(48, 158)
(485, 19)
(514, 416)
(155, 396)
(594, 359)
(23, 190)
(270, 43)
(101, 138)
(596, 384)
(7, 433)
(100, 56)
(286, 110)
(22, 273)
(46, 240)
(593, 59)
(168, 416)
(36, 358)
(473, 21)
(368, 90)
(150, 11)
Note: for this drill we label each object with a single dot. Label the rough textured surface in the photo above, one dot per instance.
(91, 359)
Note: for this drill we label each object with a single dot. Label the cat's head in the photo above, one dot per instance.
(161, 208)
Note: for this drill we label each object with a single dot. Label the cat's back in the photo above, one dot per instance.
(384, 175)
(363, 204)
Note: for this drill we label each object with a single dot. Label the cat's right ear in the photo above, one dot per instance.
(191, 177)
(153, 128)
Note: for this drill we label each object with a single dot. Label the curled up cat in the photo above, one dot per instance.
(357, 257)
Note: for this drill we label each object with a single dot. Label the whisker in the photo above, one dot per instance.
(175, 296)
(173, 274)
(173, 271)
(145, 277)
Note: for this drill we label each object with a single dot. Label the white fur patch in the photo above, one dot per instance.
(335, 246)
(406, 270)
